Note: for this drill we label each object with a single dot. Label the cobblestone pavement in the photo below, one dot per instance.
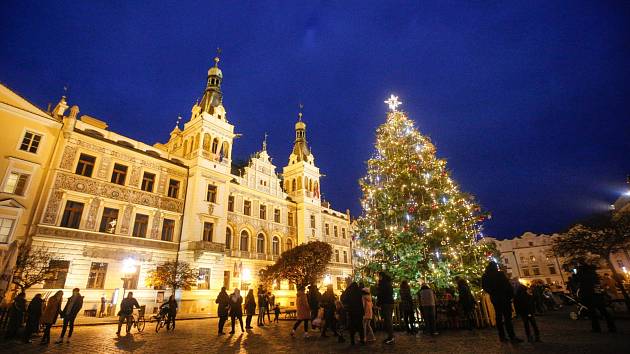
(559, 335)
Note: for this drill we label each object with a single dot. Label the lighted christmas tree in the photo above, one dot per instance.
(416, 223)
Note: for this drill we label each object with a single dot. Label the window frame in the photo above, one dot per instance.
(101, 227)
(11, 229)
(94, 280)
(30, 144)
(260, 243)
(207, 233)
(136, 228)
(90, 165)
(206, 273)
(24, 184)
(262, 211)
(53, 282)
(244, 235)
(169, 191)
(247, 207)
(119, 174)
(230, 203)
(168, 230)
(144, 186)
(71, 220)
(211, 193)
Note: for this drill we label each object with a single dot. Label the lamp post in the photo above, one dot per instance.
(129, 267)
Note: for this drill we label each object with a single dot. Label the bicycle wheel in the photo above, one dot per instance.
(141, 324)
(159, 325)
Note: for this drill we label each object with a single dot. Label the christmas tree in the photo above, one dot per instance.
(416, 222)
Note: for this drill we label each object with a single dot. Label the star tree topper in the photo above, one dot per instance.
(393, 102)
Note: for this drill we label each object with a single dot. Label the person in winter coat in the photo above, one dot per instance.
(262, 306)
(427, 302)
(236, 309)
(591, 295)
(368, 314)
(466, 301)
(223, 301)
(328, 303)
(385, 302)
(69, 314)
(497, 285)
(524, 306)
(353, 302)
(16, 315)
(170, 309)
(49, 316)
(250, 308)
(125, 314)
(34, 314)
(407, 307)
(303, 311)
(314, 297)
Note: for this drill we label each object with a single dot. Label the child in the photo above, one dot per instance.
(276, 312)
(524, 306)
(367, 315)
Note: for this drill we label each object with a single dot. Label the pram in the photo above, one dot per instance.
(581, 311)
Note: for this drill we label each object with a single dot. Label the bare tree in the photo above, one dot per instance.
(32, 267)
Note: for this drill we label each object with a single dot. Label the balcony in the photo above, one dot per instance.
(250, 255)
(206, 246)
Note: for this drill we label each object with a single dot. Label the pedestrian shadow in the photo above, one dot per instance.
(128, 343)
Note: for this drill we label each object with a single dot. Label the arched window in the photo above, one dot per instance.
(226, 150)
(244, 240)
(275, 246)
(228, 238)
(310, 185)
(206, 142)
(289, 244)
(215, 145)
(260, 243)
(337, 256)
(197, 138)
(293, 185)
(299, 183)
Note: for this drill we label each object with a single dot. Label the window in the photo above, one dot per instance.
(263, 212)
(215, 145)
(59, 272)
(168, 229)
(96, 279)
(335, 231)
(290, 218)
(226, 279)
(228, 238)
(276, 215)
(173, 188)
(343, 232)
(132, 281)
(506, 260)
(148, 180)
(109, 220)
(289, 244)
(340, 283)
(30, 142)
(244, 240)
(203, 281)
(6, 226)
(552, 269)
(312, 221)
(85, 166)
(532, 258)
(211, 194)
(526, 272)
(119, 174)
(231, 203)
(531, 244)
(247, 207)
(337, 256)
(536, 270)
(275, 246)
(208, 231)
(15, 183)
(345, 257)
(140, 225)
(72, 215)
(260, 243)
(326, 228)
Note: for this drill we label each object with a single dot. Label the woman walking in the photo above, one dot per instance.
(303, 311)
(223, 301)
(34, 314)
(236, 309)
(367, 315)
(250, 308)
(49, 317)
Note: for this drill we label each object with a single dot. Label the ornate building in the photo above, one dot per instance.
(114, 209)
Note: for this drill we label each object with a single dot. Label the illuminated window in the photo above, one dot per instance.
(6, 226)
(109, 220)
(15, 183)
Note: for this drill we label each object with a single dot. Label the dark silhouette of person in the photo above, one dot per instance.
(496, 284)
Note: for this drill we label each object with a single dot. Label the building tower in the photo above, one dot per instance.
(301, 182)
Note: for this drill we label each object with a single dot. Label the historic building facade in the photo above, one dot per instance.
(113, 209)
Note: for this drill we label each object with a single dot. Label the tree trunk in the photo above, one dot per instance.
(619, 283)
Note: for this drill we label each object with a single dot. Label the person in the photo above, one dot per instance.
(16, 315)
(170, 310)
(524, 306)
(303, 311)
(49, 316)
(126, 312)
(368, 314)
(250, 308)
(406, 307)
(276, 313)
(223, 301)
(270, 302)
(385, 302)
(591, 295)
(495, 283)
(341, 320)
(34, 315)
(236, 309)
(262, 306)
(466, 301)
(328, 303)
(537, 293)
(427, 300)
(313, 296)
(352, 301)
(101, 312)
(69, 314)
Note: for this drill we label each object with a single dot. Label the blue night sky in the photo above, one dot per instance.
(529, 101)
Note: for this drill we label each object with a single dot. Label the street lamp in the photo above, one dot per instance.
(327, 280)
(128, 269)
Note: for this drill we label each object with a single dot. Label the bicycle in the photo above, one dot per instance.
(140, 322)
(163, 320)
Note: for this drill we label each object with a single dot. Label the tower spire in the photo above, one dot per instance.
(213, 97)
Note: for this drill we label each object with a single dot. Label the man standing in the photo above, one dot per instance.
(262, 306)
(69, 314)
(591, 295)
(385, 302)
(497, 285)
(223, 305)
(313, 297)
(126, 312)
